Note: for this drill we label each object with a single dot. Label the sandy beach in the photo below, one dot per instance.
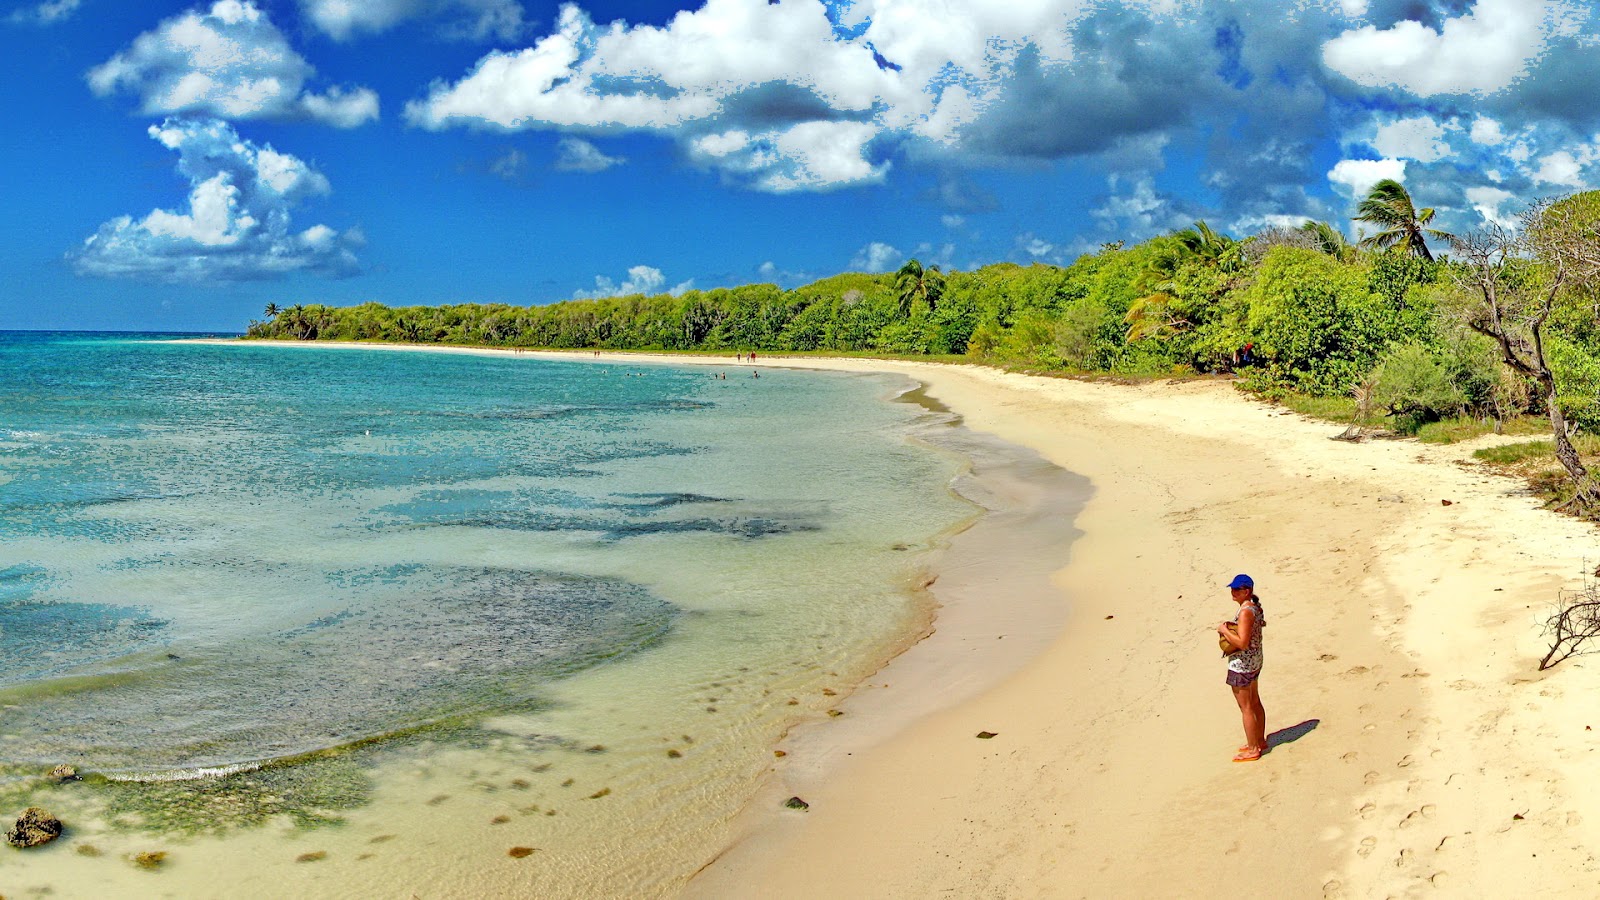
(1416, 747)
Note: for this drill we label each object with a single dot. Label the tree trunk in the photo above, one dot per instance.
(1585, 498)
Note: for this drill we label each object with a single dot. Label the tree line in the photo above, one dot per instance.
(1498, 323)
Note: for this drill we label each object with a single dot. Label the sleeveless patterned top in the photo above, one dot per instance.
(1249, 660)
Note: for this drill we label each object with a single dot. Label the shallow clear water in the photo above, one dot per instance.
(636, 577)
(255, 552)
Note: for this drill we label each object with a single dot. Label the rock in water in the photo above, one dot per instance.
(35, 827)
(64, 773)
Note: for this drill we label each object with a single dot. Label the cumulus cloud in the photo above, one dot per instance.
(1480, 52)
(474, 19)
(1356, 177)
(1487, 131)
(229, 61)
(877, 257)
(1564, 168)
(640, 280)
(1035, 247)
(578, 155)
(1419, 138)
(776, 71)
(807, 156)
(46, 13)
(1487, 201)
(236, 224)
(1135, 209)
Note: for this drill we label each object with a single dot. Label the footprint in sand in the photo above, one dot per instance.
(1414, 816)
(1371, 777)
(1366, 811)
(1356, 670)
(1368, 844)
(1349, 757)
(1404, 858)
(1405, 761)
(1332, 890)
(1440, 879)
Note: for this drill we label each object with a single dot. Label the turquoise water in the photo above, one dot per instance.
(215, 556)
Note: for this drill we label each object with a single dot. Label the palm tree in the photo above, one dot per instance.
(271, 311)
(1400, 224)
(1161, 310)
(913, 283)
(1327, 239)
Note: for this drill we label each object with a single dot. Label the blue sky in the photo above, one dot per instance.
(180, 165)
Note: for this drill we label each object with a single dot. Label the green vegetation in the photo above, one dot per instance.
(1383, 331)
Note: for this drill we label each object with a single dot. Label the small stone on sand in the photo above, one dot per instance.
(150, 859)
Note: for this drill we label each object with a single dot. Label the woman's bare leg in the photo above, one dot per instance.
(1247, 711)
(1258, 739)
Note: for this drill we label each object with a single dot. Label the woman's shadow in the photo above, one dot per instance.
(1292, 733)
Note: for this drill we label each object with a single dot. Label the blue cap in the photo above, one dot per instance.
(1240, 581)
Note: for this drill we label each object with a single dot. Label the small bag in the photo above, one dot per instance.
(1222, 642)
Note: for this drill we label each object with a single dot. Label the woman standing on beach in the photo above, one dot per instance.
(1243, 634)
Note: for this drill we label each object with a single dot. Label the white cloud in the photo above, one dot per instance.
(228, 61)
(1419, 138)
(46, 13)
(951, 220)
(807, 156)
(509, 165)
(655, 77)
(1562, 168)
(640, 280)
(578, 155)
(1355, 177)
(1481, 52)
(476, 19)
(807, 94)
(236, 225)
(1486, 131)
(1137, 212)
(1487, 201)
(1036, 247)
(877, 257)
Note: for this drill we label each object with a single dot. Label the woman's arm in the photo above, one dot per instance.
(1247, 629)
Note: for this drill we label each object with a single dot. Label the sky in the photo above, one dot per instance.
(177, 166)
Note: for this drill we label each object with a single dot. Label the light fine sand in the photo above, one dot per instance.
(1417, 748)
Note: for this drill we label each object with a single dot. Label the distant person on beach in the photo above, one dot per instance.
(739, 356)
(1243, 636)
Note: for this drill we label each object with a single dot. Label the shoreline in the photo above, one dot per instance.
(1018, 500)
(1415, 745)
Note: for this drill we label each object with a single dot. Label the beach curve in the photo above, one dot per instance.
(1416, 746)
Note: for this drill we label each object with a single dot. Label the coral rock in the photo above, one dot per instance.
(33, 828)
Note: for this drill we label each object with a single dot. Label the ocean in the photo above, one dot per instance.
(363, 623)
